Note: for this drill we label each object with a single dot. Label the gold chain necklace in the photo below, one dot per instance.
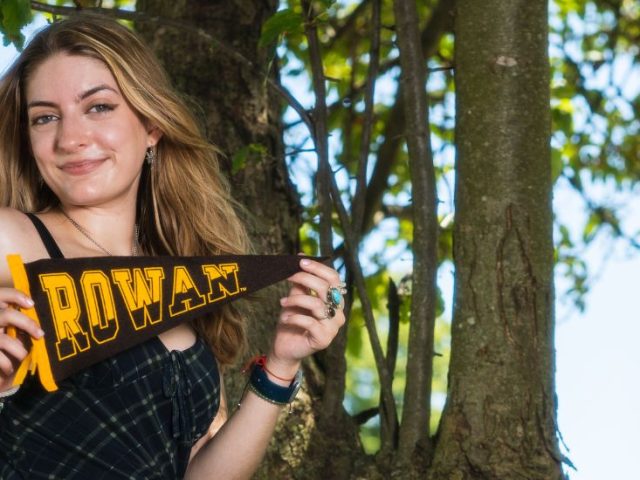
(83, 231)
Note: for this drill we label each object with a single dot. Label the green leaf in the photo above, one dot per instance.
(355, 342)
(239, 160)
(248, 152)
(557, 164)
(14, 14)
(326, 3)
(284, 21)
(591, 227)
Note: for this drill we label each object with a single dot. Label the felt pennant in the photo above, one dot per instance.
(92, 308)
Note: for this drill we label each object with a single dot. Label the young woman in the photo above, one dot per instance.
(99, 157)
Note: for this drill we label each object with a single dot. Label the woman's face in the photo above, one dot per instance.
(88, 143)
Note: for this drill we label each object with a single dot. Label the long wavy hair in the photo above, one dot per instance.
(184, 203)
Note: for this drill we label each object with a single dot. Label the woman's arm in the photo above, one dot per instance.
(237, 449)
(16, 236)
(218, 422)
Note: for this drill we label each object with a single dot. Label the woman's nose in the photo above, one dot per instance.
(73, 134)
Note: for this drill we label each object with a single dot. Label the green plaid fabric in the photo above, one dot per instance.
(132, 416)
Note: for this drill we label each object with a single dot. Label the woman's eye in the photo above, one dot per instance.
(102, 108)
(42, 119)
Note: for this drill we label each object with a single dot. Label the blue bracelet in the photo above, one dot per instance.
(261, 385)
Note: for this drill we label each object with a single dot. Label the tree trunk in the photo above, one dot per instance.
(500, 418)
(413, 442)
(242, 118)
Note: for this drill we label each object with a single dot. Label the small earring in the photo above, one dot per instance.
(150, 156)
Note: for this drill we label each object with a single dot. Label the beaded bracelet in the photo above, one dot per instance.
(6, 394)
(261, 385)
(11, 391)
(262, 361)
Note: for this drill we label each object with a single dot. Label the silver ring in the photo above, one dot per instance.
(329, 312)
(335, 297)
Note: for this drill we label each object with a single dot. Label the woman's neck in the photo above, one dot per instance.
(105, 231)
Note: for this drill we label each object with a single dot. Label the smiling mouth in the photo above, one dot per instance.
(82, 167)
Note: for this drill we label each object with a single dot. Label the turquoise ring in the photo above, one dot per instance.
(335, 296)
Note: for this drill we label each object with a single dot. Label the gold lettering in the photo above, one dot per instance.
(142, 295)
(186, 296)
(65, 311)
(223, 280)
(101, 309)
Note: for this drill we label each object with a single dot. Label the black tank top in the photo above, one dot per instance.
(133, 416)
(50, 244)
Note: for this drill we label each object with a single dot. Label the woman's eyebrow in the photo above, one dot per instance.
(79, 98)
(94, 90)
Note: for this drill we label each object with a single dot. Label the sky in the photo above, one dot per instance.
(597, 378)
(597, 357)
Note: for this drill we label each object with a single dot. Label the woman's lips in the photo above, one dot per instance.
(82, 167)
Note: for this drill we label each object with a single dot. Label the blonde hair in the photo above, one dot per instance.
(184, 181)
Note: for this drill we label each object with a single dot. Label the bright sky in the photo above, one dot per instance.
(597, 378)
(597, 363)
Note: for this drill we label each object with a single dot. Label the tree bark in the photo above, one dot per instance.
(242, 115)
(438, 24)
(413, 442)
(499, 421)
(500, 417)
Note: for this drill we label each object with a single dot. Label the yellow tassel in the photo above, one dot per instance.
(38, 358)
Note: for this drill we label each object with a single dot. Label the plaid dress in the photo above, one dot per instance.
(133, 416)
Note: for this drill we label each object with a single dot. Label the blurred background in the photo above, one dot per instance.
(595, 62)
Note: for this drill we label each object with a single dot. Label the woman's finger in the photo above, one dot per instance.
(320, 279)
(10, 317)
(311, 304)
(308, 281)
(297, 289)
(320, 333)
(328, 274)
(6, 365)
(12, 347)
(9, 296)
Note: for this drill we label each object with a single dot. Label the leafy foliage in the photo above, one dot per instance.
(594, 49)
(283, 22)
(14, 15)
(596, 102)
(595, 110)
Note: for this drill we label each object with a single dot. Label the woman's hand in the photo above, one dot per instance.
(12, 350)
(306, 324)
(304, 327)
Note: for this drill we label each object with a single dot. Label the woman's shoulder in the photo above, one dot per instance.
(17, 235)
(14, 223)
(15, 228)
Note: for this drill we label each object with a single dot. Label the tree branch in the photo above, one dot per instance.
(334, 385)
(367, 127)
(109, 12)
(414, 429)
(347, 24)
(439, 23)
(388, 409)
(393, 305)
(320, 132)
(388, 413)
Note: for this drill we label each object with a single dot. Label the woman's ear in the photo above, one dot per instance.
(154, 134)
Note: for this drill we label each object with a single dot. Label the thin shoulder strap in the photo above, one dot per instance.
(49, 243)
